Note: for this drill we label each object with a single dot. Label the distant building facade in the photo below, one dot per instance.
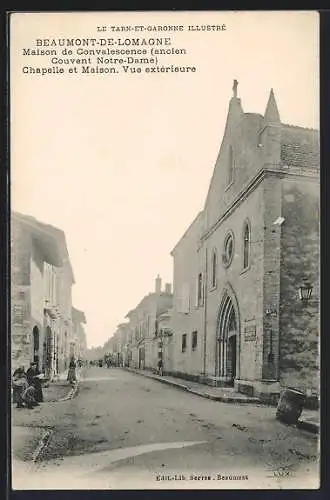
(79, 342)
(238, 270)
(164, 339)
(42, 279)
(117, 345)
(144, 326)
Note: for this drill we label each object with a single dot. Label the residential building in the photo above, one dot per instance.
(164, 340)
(79, 341)
(117, 345)
(42, 280)
(187, 314)
(243, 266)
(143, 345)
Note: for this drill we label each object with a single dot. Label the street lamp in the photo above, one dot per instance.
(305, 291)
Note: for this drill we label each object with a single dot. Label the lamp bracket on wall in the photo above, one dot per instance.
(271, 311)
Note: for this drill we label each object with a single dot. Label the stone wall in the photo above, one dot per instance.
(187, 316)
(21, 348)
(299, 322)
(143, 321)
(245, 287)
(37, 285)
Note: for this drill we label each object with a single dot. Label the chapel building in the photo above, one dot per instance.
(246, 272)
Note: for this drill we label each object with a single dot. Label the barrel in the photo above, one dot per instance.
(290, 405)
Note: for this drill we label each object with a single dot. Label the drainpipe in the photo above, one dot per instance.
(205, 314)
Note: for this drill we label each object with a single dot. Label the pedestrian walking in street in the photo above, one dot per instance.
(33, 379)
(72, 378)
(160, 367)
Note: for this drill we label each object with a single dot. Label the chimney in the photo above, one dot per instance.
(158, 284)
(168, 288)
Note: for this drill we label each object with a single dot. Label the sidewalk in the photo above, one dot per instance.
(30, 431)
(62, 377)
(59, 389)
(56, 391)
(27, 442)
(310, 419)
(224, 394)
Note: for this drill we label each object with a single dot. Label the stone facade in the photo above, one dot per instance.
(244, 257)
(299, 326)
(42, 280)
(143, 330)
(187, 315)
(118, 346)
(164, 341)
(79, 342)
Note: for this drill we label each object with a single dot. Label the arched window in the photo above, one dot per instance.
(231, 166)
(200, 290)
(246, 245)
(214, 269)
(228, 249)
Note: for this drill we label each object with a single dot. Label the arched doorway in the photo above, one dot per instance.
(48, 344)
(36, 344)
(227, 336)
(65, 350)
(57, 352)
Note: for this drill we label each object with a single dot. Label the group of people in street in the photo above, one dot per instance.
(27, 386)
(111, 362)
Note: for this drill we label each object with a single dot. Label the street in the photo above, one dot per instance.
(124, 431)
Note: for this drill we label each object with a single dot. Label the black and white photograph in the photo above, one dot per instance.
(165, 246)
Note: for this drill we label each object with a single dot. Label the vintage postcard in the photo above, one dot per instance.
(165, 179)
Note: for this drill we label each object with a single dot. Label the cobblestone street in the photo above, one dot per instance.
(125, 431)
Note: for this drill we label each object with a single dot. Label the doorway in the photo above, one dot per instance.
(231, 362)
(48, 346)
(227, 336)
(36, 340)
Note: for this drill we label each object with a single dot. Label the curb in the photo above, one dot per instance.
(43, 443)
(308, 426)
(71, 394)
(302, 424)
(205, 395)
(159, 379)
(226, 399)
(45, 438)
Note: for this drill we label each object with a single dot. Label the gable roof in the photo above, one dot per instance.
(195, 221)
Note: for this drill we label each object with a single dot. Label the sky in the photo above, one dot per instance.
(122, 163)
